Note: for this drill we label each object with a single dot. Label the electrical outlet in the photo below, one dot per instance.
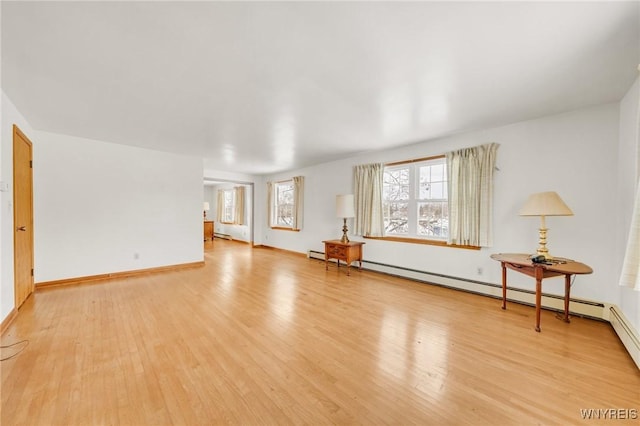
(136, 256)
(480, 271)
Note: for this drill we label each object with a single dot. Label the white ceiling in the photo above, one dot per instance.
(260, 87)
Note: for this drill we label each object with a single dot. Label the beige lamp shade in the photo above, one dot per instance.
(344, 206)
(545, 204)
(206, 206)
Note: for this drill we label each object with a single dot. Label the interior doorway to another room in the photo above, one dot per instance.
(231, 208)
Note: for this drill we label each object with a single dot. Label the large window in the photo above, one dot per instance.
(228, 206)
(284, 204)
(415, 199)
(285, 199)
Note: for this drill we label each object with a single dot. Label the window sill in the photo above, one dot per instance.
(424, 241)
(280, 228)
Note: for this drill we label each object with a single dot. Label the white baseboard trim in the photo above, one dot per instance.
(579, 307)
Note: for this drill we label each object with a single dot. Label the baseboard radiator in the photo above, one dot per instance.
(222, 236)
(627, 334)
(584, 308)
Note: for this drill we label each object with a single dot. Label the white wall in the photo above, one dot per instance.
(97, 204)
(10, 116)
(101, 208)
(628, 173)
(574, 154)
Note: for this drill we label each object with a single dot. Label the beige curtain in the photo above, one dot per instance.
(220, 206)
(239, 206)
(298, 201)
(630, 276)
(470, 187)
(368, 180)
(270, 204)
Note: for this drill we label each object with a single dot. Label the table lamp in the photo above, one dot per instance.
(206, 209)
(344, 209)
(544, 204)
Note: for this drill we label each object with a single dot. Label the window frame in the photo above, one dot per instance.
(231, 207)
(276, 205)
(413, 201)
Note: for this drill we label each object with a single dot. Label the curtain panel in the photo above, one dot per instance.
(369, 220)
(270, 204)
(470, 183)
(238, 213)
(220, 206)
(298, 202)
(630, 275)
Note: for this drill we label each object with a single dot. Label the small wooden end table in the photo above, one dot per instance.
(349, 252)
(522, 263)
(208, 230)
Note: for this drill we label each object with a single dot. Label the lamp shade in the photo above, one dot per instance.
(344, 206)
(545, 204)
(206, 206)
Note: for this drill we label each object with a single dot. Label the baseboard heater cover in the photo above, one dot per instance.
(578, 307)
(222, 236)
(628, 336)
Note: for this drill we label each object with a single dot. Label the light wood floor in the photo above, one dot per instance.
(260, 336)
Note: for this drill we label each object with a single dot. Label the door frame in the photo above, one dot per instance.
(253, 201)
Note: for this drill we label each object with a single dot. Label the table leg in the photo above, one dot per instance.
(567, 290)
(326, 259)
(539, 273)
(504, 286)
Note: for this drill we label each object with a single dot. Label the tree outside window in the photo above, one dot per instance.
(284, 204)
(415, 199)
(229, 206)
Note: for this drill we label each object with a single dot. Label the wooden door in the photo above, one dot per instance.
(22, 216)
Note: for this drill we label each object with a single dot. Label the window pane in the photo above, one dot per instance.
(433, 219)
(284, 205)
(228, 208)
(396, 193)
(437, 190)
(396, 218)
(285, 215)
(425, 190)
(437, 173)
(432, 182)
(396, 184)
(415, 199)
(285, 194)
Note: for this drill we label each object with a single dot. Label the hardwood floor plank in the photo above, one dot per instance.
(259, 336)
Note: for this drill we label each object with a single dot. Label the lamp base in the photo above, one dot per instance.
(344, 238)
(542, 244)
